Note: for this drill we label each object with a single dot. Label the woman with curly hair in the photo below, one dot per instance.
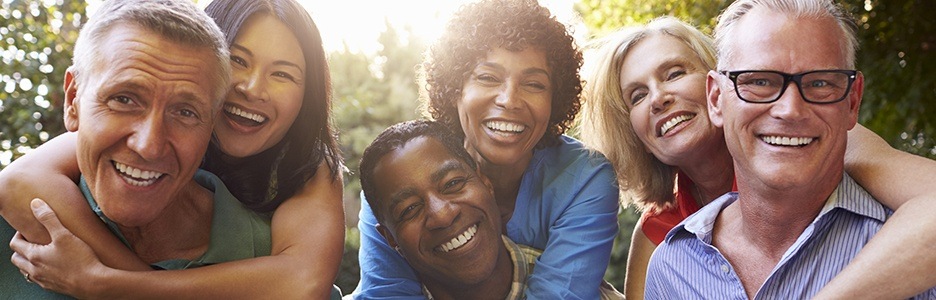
(655, 74)
(504, 76)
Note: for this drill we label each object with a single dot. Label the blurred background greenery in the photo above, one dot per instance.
(375, 90)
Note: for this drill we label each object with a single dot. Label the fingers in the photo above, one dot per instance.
(21, 262)
(47, 217)
(19, 244)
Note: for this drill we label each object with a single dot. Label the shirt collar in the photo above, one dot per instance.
(848, 195)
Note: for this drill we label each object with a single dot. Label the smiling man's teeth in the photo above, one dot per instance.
(787, 141)
(673, 122)
(505, 126)
(460, 240)
(241, 113)
(136, 176)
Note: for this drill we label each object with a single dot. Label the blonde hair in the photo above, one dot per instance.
(644, 180)
(812, 9)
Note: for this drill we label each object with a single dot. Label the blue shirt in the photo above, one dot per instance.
(567, 205)
(687, 266)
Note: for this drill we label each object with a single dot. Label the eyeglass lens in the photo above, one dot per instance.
(822, 86)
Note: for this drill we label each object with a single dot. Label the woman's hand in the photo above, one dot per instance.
(66, 265)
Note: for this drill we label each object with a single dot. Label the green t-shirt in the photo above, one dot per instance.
(236, 233)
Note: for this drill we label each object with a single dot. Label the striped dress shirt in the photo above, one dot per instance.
(687, 266)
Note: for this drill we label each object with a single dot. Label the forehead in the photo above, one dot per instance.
(525, 60)
(413, 165)
(266, 36)
(655, 51)
(778, 41)
(132, 56)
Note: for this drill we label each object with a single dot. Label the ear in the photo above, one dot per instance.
(713, 92)
(385, 232)
(854, 100)
(71, 100)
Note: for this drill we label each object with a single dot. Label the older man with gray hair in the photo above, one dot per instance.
(147, 82)
(786, 94)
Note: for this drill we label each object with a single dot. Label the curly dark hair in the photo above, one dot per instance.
(479, 27)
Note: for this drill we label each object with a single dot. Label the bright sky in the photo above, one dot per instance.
(359, 22)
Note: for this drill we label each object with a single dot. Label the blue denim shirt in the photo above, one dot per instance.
(567, 205)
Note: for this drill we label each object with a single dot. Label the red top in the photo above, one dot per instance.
(657, 225)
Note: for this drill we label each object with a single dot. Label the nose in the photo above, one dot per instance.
(149, 138)
(508, 97)
(791, 105)
(252, 86)
(660, 101)
(440, 213)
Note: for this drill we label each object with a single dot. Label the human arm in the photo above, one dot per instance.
(638, 257)
(384, 273)
(578, 248)
(898, 261)
(306, 253)
(50, 172)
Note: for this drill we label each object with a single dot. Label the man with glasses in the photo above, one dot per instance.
(786, 94)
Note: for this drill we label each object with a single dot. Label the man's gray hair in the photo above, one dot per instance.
(795, 8)
(177, 20)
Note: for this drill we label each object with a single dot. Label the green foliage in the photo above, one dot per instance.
(603, 16)
(36, 40)
(627, 218)
(898, 40)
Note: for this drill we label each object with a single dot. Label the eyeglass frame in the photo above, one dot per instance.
(795, 78)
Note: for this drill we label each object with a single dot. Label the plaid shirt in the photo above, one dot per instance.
(524, 259)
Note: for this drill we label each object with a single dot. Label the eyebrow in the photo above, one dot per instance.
(448, 166)
(275, 63)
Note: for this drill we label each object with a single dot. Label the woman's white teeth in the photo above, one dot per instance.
(241, 113)
(673, 122)
(505, 126)
(461, 239)
(787, 141)
(136, 176)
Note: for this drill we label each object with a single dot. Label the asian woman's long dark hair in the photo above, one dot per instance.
(263, 181)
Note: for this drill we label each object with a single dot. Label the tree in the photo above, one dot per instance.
(371, 92)
(36, 41)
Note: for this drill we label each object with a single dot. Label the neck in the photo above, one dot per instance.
(773, 219)
(712, 177)
(182, 229)
(496, 286)
(506, 182)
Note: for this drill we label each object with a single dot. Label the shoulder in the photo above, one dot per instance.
(570, 161)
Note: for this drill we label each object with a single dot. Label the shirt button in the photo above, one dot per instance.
(724, 268)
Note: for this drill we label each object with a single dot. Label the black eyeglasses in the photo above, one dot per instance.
(819, 86)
